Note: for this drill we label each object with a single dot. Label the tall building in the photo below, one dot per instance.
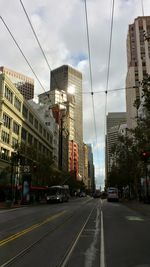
(23, 83)
(113, 122)
(67, 78)
(91, 169)
(63, 111)
(138, 60)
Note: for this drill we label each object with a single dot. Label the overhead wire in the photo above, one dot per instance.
(112, 90)
(142, 6)
(21, 51)
(107, 77)
(37, 39)
(108, 66)
(90, 66)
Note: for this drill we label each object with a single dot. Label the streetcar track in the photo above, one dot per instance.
(27, 249)
(31, 246)
(71, 247)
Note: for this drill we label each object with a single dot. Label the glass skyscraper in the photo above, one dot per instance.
(67, 78)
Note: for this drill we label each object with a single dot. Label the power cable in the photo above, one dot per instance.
(37, 39)
(142, 6)
(90, 67)
(112, 90)
(107, 78)
(109, 57)
(15, 41)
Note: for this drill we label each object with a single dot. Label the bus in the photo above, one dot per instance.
(57, 193)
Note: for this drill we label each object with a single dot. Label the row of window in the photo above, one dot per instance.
(7, 123)
(5, 137)
(26, 114)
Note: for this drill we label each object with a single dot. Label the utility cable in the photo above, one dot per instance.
(109, 56)
(37, 39)
(90, 66)
(15, 41)
(142, 6)
(112, 90)
(107, 80)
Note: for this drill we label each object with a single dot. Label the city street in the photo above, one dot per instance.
(83, 232)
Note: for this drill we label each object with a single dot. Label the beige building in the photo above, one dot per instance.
(138, 60)
(23, 83)
(19, 123)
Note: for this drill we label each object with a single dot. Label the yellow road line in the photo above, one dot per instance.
(25, 231)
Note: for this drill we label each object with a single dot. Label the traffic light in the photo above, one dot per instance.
(145, 156)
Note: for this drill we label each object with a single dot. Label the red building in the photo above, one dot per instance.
(73, 158)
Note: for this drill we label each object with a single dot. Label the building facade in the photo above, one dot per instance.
(86, 178)
(63, 111)
(23, 83)
(69, 79)
(46, 115)
(73, 159)
(91, 169)
(20, 124)
(113, 122)
(138, 63)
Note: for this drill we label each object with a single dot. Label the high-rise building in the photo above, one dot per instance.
(67, 79)
(23, 83)
(114, 120)
(138, 60)
(91, 169)
(63, 111)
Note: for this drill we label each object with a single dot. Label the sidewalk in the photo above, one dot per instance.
(8, 205)
(142, 208)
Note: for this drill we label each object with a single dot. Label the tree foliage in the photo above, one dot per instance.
(128, 168)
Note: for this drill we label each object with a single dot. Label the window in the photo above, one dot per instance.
(5, 137)
(7, 120)
(40, 128)
(24, 134)
(14, 142)
(40, 146)
(16, 127)
(25, 112)
(47, 123)
(17, 104)
(44, 133)
(4, 153)
(36, 123)
(30, 118)
(47, 136)
(30, 138)
(35, 143)
(8, 94)
(51, 139)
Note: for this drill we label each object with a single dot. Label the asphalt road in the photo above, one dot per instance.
(83, 232)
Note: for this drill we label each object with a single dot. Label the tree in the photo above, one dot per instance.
(129, 166)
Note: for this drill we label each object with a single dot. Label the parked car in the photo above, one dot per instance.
(112, 194)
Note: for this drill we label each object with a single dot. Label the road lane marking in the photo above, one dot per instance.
(134, 218)
(102, 251)
(73, 245)
(90, 253)
(25, 231)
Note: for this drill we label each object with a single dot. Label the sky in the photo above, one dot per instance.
(61, 28)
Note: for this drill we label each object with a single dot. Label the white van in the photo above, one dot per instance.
(112, 194)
